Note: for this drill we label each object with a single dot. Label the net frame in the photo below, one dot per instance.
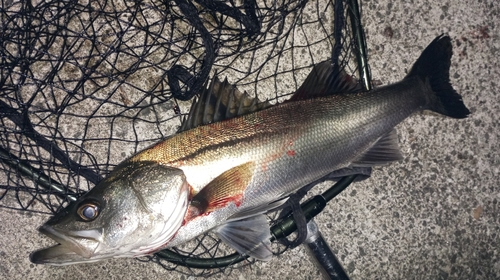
(47, 165)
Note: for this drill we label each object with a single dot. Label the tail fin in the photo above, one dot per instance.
(433, 67)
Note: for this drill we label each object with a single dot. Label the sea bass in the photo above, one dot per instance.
(223, 173)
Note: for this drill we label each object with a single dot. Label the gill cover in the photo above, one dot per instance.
(133, 212)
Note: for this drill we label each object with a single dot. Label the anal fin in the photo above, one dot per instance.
(385, 150)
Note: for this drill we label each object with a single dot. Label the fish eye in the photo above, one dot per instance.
(88, 211)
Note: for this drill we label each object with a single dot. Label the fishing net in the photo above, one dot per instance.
(86, 84)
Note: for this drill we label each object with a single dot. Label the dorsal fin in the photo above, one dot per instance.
(220, 101)
(326, 79)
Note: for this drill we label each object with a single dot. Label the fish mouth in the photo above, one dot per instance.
(74, 247)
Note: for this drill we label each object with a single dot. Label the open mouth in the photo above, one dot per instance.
(74, 247)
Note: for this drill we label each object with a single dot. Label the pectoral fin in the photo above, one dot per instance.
(226, 188)
(250, 236)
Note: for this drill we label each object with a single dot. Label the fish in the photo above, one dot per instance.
(236, 158)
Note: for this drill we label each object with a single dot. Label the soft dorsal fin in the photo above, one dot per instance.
(385, 150)
(326, 79)
(220, 101)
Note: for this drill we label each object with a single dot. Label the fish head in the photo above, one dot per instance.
(133, 212)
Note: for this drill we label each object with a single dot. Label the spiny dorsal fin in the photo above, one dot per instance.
(220, 101)
(326, 79)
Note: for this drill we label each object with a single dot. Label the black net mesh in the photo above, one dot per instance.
(86, 84)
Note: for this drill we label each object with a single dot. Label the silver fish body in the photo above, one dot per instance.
(227, 173)
(316, 137)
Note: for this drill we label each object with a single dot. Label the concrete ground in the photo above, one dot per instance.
(434, 215)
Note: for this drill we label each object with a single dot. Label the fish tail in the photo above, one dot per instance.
(433, 68)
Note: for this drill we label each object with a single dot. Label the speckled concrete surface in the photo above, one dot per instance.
(435, 215)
